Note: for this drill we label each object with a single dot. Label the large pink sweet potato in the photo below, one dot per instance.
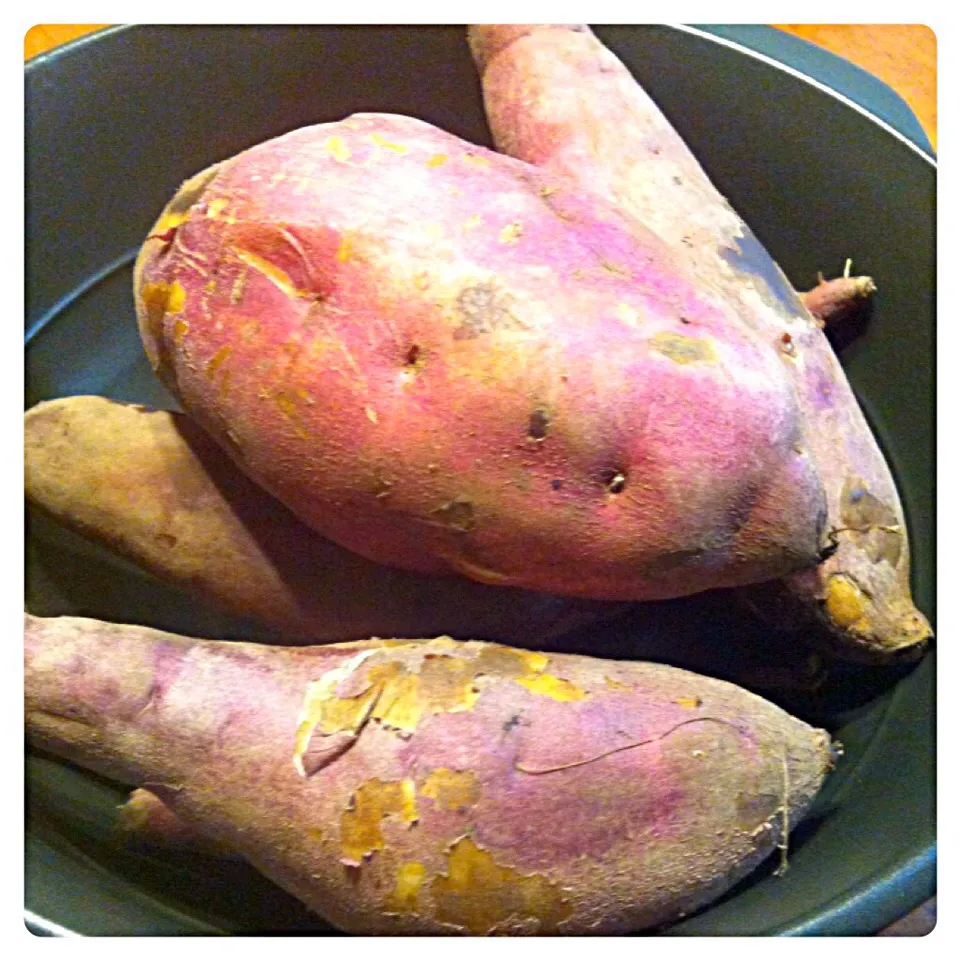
(436, 786)
(556, 97)
(448, 360)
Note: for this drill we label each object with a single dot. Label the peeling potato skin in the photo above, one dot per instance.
(685, 801)
(395, 324)
(556, 97)
(181, 510)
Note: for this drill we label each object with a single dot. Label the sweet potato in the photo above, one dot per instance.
(437, 786)
(556, 97)
(180, 509)
(448, 360)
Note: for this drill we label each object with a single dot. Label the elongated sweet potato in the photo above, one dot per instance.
(437, 786)
(556, 97)
(150, 485)
(448, 360)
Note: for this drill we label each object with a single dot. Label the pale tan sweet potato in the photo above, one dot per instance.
(437, 787)
(556, 97)
(154, 488)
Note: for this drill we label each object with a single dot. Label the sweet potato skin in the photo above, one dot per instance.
(447, 360)
(181, 510)
(556, 97)
(436, 787)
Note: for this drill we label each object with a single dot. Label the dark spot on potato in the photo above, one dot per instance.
(483, 309)
(539, 424)
(556, 484)
(678, 181)
(458, 514)
(740, 509)
(513, 722)
(412, 356)
(167, 539)
(862, 509)
(615, 481)
(787, 345)
(680, 558)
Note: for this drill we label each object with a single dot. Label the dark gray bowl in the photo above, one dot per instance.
(116, 121)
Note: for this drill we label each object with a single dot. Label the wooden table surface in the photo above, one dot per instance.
(904, 56)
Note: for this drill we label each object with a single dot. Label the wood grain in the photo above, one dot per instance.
(904, 56)
(46, 36)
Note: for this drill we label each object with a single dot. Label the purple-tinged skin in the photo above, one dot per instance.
(556, 97)
(434, 356)
(471, 788)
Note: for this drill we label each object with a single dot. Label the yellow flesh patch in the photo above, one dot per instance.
(511, 233)
(388, 145)
(170, 221)
(437, 160)
(451, 789)
(547, 685)
(629, 315)
(444, 685)
(216, 207)
(398, 698)
(845, 602)
(162, 298)
(361, 832)
(345, 248)
(478, 894)
(180, 329)
(508, 663)
(337, 149)
(271, 271)
(399, 705)
(472, 223)
(217, 361)
(322, 707)
(410, 879)
(682, 349)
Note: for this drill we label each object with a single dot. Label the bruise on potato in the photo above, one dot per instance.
(516, 809)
